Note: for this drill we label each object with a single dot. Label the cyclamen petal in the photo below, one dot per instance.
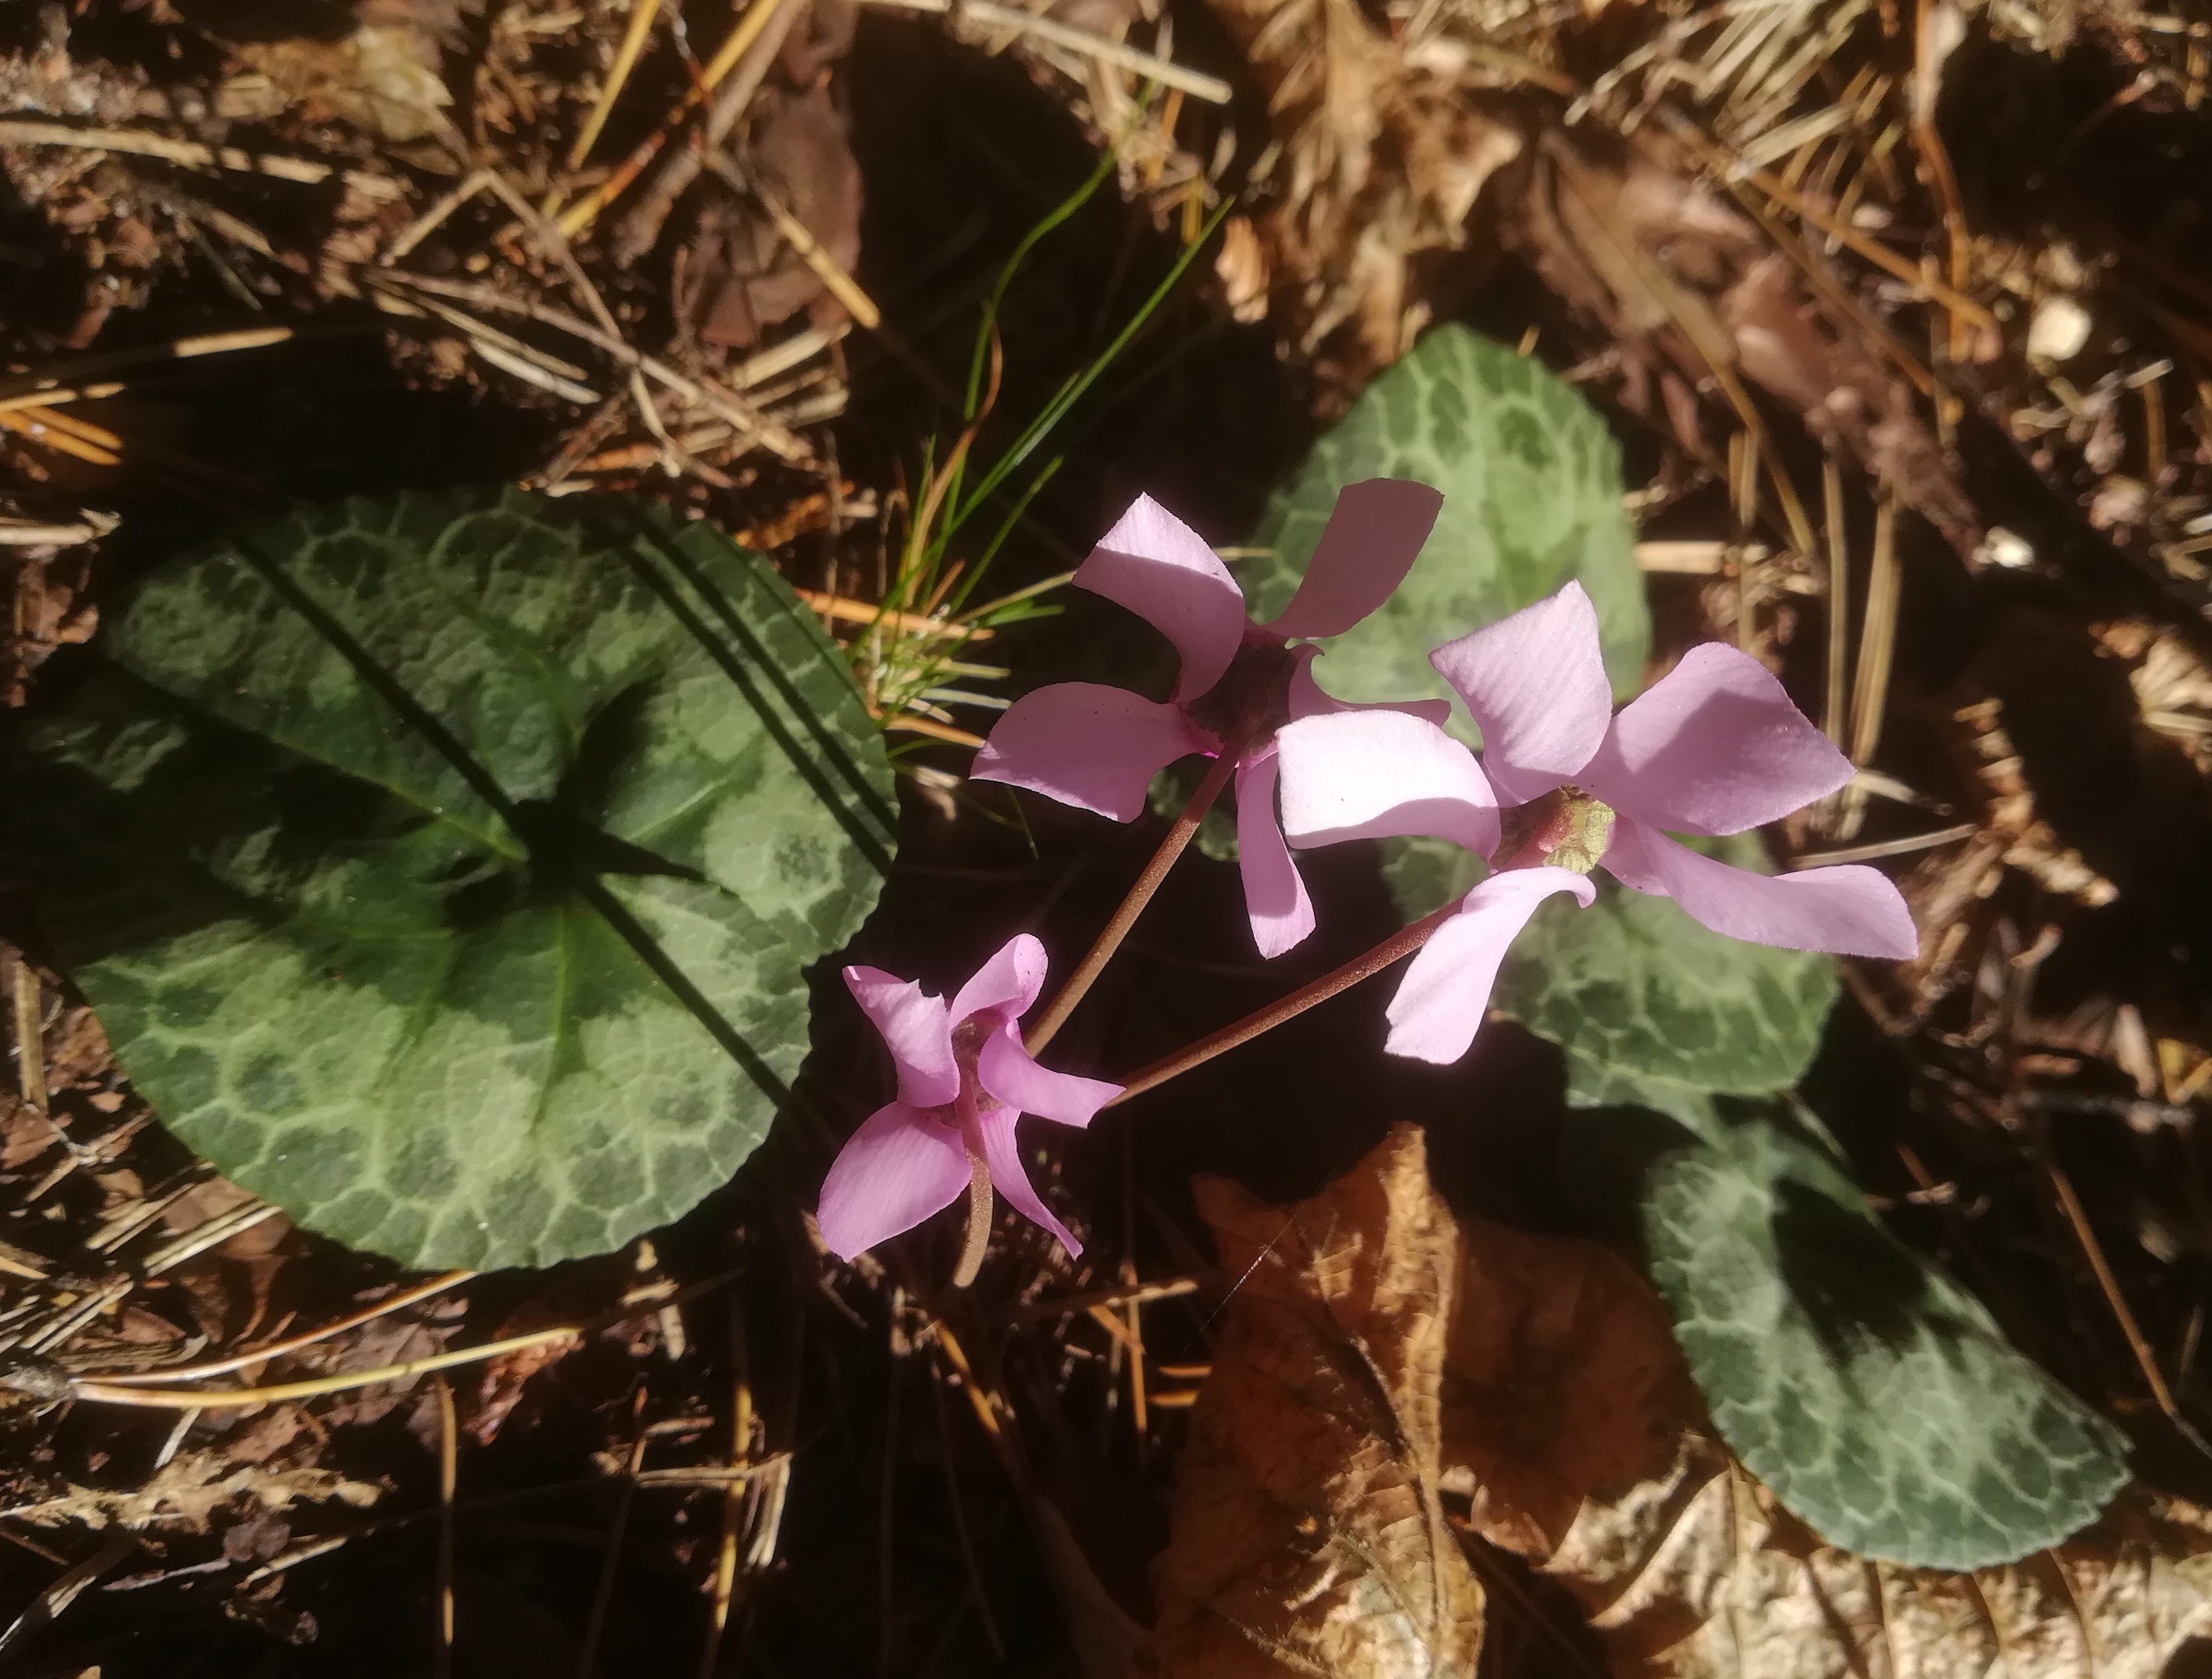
(917, 1029)
(1087, 744)
(1849, 910)
(1007, 984)
(1715, 747)
(1375, 775)
(1275, 899)
(1009, 1178)
(1374, 534)
(1005, 1069)
(898, 1168)
(1536, 684)
(1164, 572)
(1440, 1004)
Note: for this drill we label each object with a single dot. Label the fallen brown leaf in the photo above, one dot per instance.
(382, 78)
(1561, 1382)
(740, 275)
(1381, 1361)
(1308, 1532)
(1571, 1423)
(1696, 1575)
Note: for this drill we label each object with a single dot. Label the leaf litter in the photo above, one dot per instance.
(1416, 168)
(1500, 1388)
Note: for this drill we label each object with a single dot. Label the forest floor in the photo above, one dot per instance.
(1916, 299)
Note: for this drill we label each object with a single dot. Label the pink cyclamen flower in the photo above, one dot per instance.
(964, 1081)
(1714, 747)
(1097, 747)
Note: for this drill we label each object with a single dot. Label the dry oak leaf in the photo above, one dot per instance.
(1562, 1383)
(381, 79)
(1309, 1534)
(1571, 1423)
(1697, 1575)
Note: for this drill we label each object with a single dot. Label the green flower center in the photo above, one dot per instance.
(1564, 829)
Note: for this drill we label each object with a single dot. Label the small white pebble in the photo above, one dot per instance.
(2059, 330)
(2000, 547)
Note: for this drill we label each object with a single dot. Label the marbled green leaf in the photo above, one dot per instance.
(1531, 480)
(1873, 1395)
(1651, 1008)
(443, 868)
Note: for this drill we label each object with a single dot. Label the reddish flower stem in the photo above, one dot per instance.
(979, 1222)
(978, 1236)
(1404, 942)
(1178, 836)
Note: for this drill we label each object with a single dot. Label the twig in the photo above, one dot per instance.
(1039, 1312)
(1839, 598)
(25, 534)
(16, 132)
(581, 215)
(1169, 74)
(433, 218)
(214, 1232)
(63, 1593)
(671, 177)
(973, 1569)
(1877, 644)
(1896, 847)
(2146, 1360)
(54, 386)
(30, 1034)
(706, 393)
(641, 15)
(107, 1393)
(1718, 160)
(277, 1349)
(1696, 325)
(448, 1474)
(842, 286)
(555, 245)
(733, 1494)
(603, 1594)
(911, 623)
(935, 730)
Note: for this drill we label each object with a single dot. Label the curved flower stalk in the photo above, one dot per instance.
(1097, 747)
(964, 1082)
(1713, 747)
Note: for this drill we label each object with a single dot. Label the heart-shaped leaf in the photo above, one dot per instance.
(1867, 1389)
(1652, 1009)
(1531, 480)
(442, 868)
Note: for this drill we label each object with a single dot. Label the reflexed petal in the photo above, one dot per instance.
(1307, 699)
(1536, 687)
(1162, 570)
(1011, 1180)
(1442, 1000)
(1006, 984)
(1714, 746)
(1373, 536)
(917, 1029)
(1368, 774)
(1274, 896)
(1006, 1070)
(1089, 745)
(1850, 909)
(899, 1167)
